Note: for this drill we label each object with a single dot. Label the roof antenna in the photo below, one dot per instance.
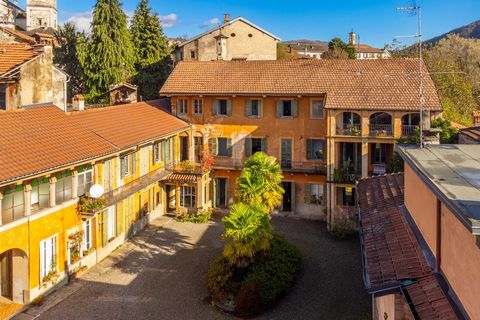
(413, 10)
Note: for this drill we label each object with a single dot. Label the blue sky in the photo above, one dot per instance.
(376, 21)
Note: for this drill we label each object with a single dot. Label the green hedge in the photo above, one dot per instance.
(254, 288)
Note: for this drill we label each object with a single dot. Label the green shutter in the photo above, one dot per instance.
(123, 166)
(264, 145)
(214, 142)
(248, 108)
(307, 193)
(134, 163)
(309, 149)
(229, 108)
(215, 105)
(248, 147)
(279, 108)
(294, 108)
(229, 146)
(104, 228)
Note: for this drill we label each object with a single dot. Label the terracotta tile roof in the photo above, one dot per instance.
(348, 84)
(14, 55)
(164, 104)
(365, 48)
(181, 177)
(19, 34)
(129, 124)
(42, 138)
(472, 133)
(391, 252)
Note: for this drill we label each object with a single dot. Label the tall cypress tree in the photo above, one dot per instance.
(109, 56)
(151, 51)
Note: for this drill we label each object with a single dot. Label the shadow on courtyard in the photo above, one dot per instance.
(159, 274)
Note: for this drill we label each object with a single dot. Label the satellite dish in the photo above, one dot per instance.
(96, 191)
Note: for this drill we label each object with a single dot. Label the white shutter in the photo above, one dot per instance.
(248, 108)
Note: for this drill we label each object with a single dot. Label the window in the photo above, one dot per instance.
(313, 193)
(198, 106)
(222, 107)
(346, 196)
(254, 145)
(48, 257)
(87, 235)
(182, 106)
(317, 109)
(63, 188)
(315, 149)
(3, 96)
(286, 108)
(12, 204)
(156, 152)
(128, 164)
(40, 194)
(85, 181)
(222, 147)
(379, 153)
(192, 54)
(187, 196)
(254, 108)
(167, 146)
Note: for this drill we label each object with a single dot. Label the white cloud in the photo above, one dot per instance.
(209, 23)
(169, 20)
(82, 21)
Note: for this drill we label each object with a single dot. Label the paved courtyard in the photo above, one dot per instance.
(159, 275)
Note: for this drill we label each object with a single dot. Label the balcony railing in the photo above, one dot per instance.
(228, 163)
(348, 129)
(185, 167)
(342, 176)
(381, 130)
(313, 167)
(408, 130)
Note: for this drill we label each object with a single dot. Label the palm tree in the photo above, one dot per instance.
(250, 232)
(259, 182)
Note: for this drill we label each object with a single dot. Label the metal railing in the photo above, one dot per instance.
(313, 167)
(348, 129)
(185, 167)
(381, 130)
(408, 130)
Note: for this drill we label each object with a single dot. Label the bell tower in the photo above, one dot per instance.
(41, 14)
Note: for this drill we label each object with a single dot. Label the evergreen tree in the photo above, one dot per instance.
(337, 49)
(65, 56)
(151, 51)
(108, 56)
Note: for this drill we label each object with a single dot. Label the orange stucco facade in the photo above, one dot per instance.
(456, 250)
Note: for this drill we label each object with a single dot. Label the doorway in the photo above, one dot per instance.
(183, 148)
(287, 202)
(6, 275)
(171, 201)
(221, 185)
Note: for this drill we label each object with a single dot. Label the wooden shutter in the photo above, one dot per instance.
(229, 147)
(215, 106)
(118, 219)
(307, 193)
(229, 108)
(104, 229)
(248, 147)
(227, 199)
(260, 108)
(134, 163)
(214, 143)
(279, 108)
(264, 145)
(248, 108)
(294, 108)
(309, 149)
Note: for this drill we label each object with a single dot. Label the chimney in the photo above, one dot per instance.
(226, 17)
(352, 38)
(78, 102)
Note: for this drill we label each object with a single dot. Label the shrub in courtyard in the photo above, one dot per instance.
(259, 182)
(202, 217)
(342, 229)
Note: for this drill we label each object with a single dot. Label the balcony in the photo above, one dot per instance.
(381, 130)
(228, 163)
(312, 167)
(348, 129)
(344, 176)
(186, 167)
(409, 130)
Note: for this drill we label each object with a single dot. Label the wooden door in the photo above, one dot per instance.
(6, 274)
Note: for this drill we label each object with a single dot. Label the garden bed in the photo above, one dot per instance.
(250, 290)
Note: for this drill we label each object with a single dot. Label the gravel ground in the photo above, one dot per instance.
(159, 275)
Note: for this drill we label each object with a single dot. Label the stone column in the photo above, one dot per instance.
(191, 147)
(75, 184)
(53, 181)
(27, 200)
(199, 191)
(365, 158)
(177, 197)
(1, 198)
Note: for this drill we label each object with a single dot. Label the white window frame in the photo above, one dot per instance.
(44, 268)
(87, 235)
(63, 179)
(182, 106)
(84, 175)
(191, 194)
(197, 106)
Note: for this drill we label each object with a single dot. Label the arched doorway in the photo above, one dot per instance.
(13, 275)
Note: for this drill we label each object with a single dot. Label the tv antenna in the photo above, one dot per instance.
(414, 10)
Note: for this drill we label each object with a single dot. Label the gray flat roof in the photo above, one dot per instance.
(453, 174)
